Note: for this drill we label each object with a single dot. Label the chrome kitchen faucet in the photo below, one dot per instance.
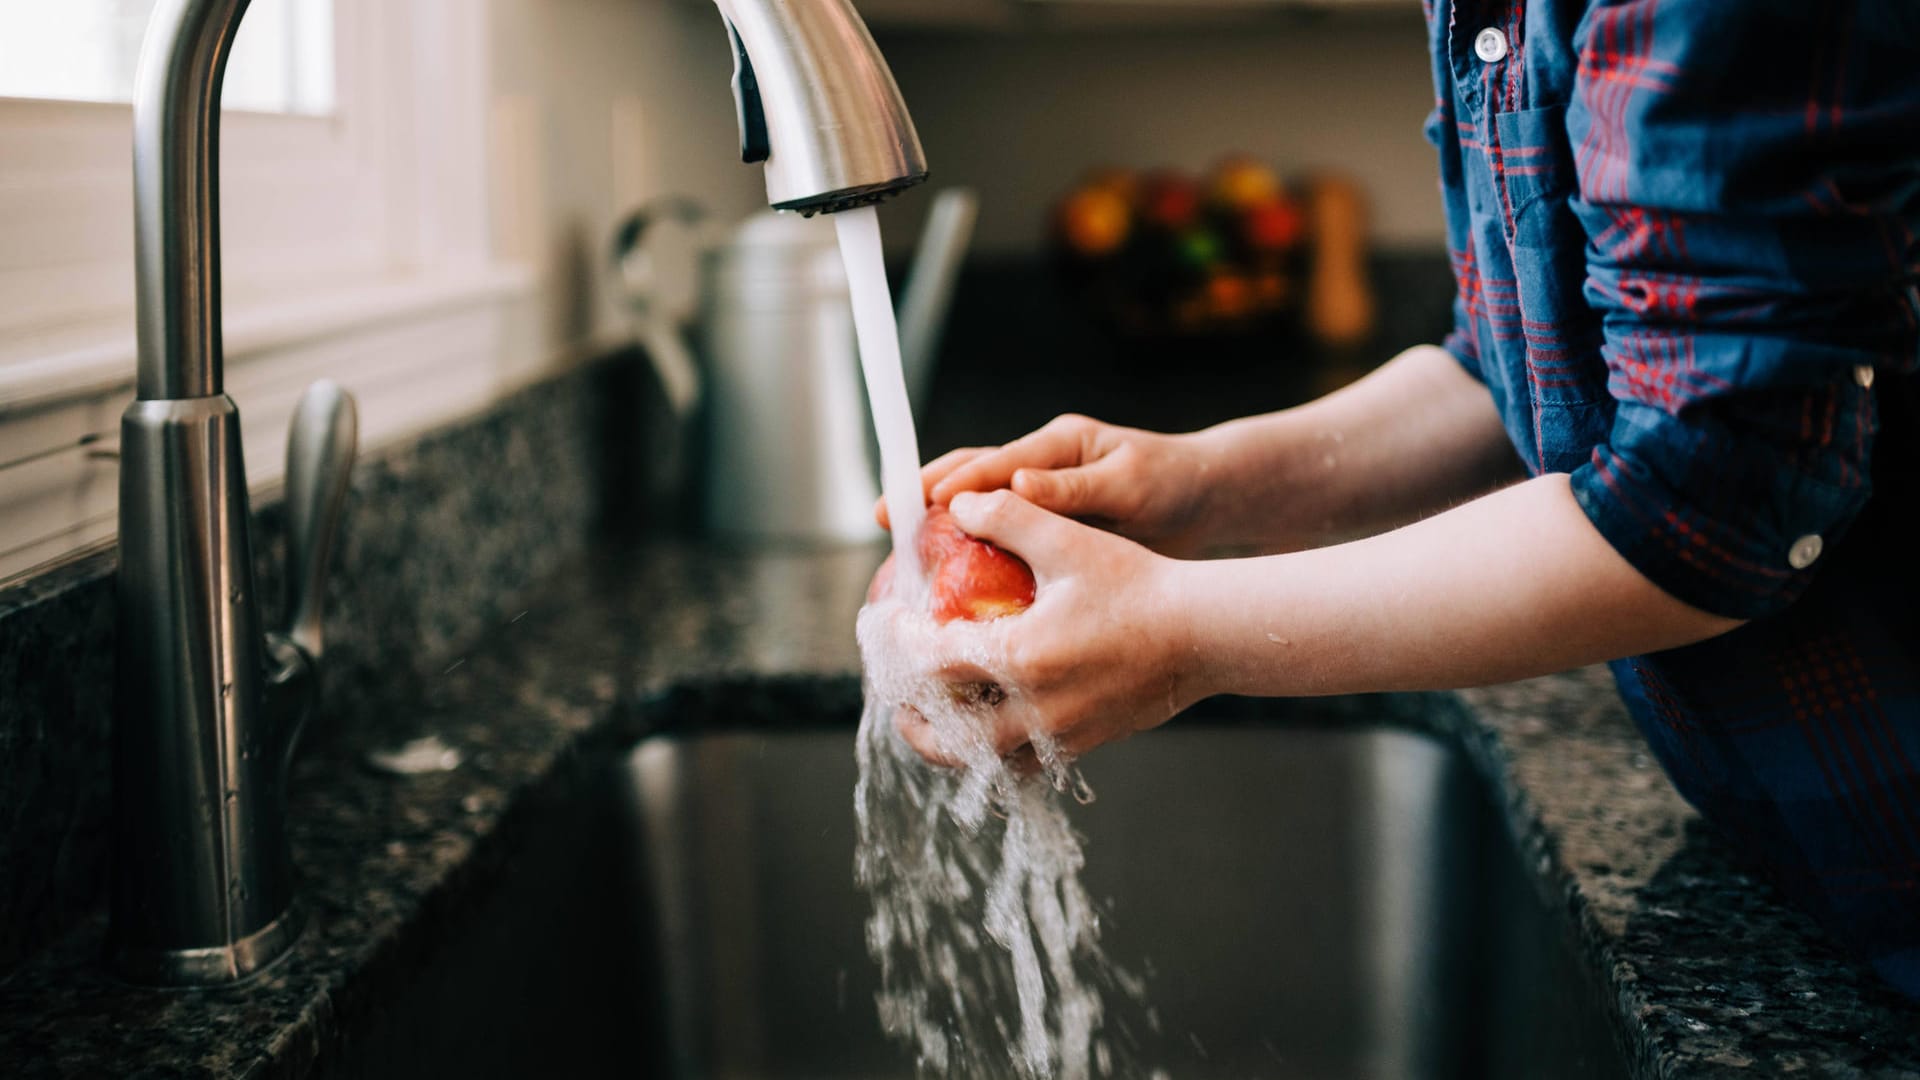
(208, 707)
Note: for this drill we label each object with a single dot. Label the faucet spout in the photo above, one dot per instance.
(819, 106)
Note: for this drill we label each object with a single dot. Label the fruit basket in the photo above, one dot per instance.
(1166, 254)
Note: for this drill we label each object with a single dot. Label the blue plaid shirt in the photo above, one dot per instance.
(1684, 233)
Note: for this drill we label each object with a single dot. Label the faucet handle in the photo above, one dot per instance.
(756, 145)
(320, 453)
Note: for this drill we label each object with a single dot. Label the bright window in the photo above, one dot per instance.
(354, 236)
(88, 50)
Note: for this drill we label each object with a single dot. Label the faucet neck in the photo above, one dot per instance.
(176, 170)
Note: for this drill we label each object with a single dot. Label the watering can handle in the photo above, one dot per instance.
(929, 293)
(659, 331)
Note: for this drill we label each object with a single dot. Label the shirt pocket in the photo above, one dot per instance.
(1566, 374)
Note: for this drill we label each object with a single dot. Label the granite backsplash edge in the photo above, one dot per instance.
(443, 536)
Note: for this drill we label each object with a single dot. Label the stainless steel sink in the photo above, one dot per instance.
(1309, 900)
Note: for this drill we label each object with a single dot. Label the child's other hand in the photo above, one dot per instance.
(1100, 655)
(1149, 487)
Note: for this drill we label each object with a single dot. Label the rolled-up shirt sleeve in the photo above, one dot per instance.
(1749, 181)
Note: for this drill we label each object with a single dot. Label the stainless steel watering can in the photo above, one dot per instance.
(787, 451)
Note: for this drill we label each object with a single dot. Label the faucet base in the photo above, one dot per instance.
(221, 965)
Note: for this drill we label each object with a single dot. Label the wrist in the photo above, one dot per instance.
(1177, 605)
(1259, 627)
(1227, 475)
(1255, 497)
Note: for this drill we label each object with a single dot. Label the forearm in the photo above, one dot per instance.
(1510, 586)
(1415, 436)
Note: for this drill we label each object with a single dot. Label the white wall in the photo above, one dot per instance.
(602, 104)
(1021, 115)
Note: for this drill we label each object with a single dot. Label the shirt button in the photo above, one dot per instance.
(1490, 45)
(1806, 551)
(1864, 376)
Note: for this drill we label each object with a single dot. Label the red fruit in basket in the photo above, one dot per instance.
(966, 578)
(1170, 201)
(1094, 221)
(1273, 225)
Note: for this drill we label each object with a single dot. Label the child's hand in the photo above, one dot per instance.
(1149, 487)
(1100, 655)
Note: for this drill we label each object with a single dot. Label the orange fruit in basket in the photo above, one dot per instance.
(1095, 221)
(1230, 296)
(1242, 183)
(1122, 182)
(1271, 290)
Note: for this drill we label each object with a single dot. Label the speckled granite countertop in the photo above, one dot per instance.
(1711, 977)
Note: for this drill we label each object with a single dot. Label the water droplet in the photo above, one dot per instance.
(1082, 791)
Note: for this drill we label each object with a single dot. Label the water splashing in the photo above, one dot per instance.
(988, 945)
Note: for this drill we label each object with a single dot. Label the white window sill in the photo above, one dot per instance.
(61, 364)
(416, 352)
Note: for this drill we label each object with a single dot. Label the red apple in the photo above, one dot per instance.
(967, 578)
(1170, 200)
(1274, 225)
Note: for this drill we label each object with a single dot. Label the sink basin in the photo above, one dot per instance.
(1308, 901)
